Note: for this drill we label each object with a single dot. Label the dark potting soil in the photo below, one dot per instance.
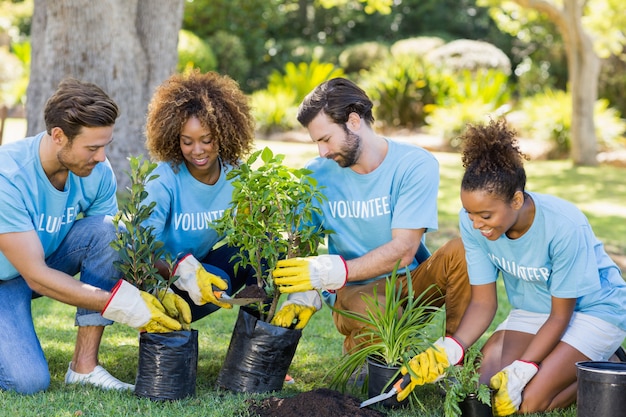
(251, 291)
(321, 402)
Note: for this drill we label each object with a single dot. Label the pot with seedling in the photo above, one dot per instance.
(267, 220)
(167, 361)
(465, 395)
(396, 328)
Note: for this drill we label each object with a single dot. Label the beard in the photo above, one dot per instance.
(350, 152)
(68, 161)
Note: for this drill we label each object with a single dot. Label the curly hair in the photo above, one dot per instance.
(492, 160)
(217, 102)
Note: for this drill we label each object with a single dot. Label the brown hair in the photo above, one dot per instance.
(492, 160)
(217, 102)
(77, 104)
(338, 98)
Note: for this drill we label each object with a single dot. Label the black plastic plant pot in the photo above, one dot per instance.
(168, 364)
(601, 389)
(471, 406)
(379, 376)
(258, 356)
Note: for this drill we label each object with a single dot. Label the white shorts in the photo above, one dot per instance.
(593, 337)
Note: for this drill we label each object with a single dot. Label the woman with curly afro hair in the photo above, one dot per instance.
(199, 126)
(568, 297)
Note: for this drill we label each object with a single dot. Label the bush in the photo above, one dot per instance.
(469, 54)
(400, 89)
(416, 47)
(274, 111)
(230, 55)
(275, 108)
(466, 97)
(450, 121)
(193, 52)
(556, 129)
(362, 56)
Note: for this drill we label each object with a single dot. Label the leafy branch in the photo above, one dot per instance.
(463, 380)
(139, 250)
(270, 217)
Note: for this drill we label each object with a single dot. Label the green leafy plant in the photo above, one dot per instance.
(395, 331)
(271, 209)
(462, 381)
(139, 250)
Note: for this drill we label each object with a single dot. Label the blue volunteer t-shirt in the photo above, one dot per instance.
(28, 201)
(186, 208)
(362, 209)
(558, 256)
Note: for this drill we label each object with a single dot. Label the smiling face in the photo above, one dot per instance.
(200, 151)
(493, 216)
(335, 141)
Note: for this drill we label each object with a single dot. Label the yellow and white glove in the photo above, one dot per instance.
(509, 384)
(198, 282)
(298, 309)
(175, 307)
(430, 366)
(323, 272)
(138, 309)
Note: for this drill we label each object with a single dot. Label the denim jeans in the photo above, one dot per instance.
(86, 249)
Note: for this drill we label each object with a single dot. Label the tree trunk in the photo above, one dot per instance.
(127, 47)
(583, 72)
(583, 66)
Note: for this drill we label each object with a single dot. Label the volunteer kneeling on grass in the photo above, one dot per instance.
(57, 199)
(381, 200)
(567, 296)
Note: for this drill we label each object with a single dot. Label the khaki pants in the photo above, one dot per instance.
(446, 268)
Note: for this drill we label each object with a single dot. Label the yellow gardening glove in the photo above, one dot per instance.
(175, 307)
(138, 309)
(509, 384)
(323, 272)
(198, 282)
(291, 313)
(430, 365)
(298, 309)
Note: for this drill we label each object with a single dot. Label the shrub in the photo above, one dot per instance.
(416, 47)
(275, 108)
(399, 89)
(465, 97)
(269, 217)
(556, 129)
(362, 56)
(193, 52)
(230, 55)
(469, 54)
(274, 111)
(449, 121)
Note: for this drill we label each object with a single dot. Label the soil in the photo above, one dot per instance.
(321, 402)
(251, 291)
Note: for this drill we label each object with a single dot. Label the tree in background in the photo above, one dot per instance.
(127, 47)
(579, 23)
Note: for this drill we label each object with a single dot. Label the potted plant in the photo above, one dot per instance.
(395, 330)
(267, 220)
(167, 361)
(465, 395)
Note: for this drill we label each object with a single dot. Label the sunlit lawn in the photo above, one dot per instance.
(600, 192)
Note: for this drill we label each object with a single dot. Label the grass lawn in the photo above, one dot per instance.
(600, 192)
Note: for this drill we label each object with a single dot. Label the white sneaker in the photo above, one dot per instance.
(99, 377)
